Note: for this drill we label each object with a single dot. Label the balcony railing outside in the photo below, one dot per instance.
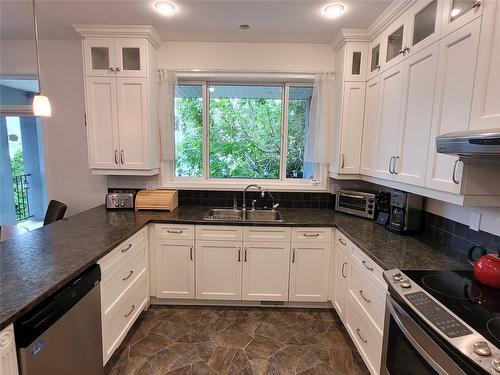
(21, 186)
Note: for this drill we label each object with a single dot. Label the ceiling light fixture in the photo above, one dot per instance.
(455, 12)
(165, 8)
(334, 10)
(41, 104)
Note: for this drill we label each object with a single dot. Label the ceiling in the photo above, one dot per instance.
(272, 21)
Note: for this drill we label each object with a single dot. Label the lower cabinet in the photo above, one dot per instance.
(265, 271)
(340, 274)
(8, 356)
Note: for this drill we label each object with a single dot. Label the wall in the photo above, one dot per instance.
(68, 176)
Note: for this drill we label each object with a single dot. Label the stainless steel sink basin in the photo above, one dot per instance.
(229, 214)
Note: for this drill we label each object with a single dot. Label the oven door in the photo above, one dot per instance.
(410, 349)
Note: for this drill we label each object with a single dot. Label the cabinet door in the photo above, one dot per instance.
(391, 84)
(309, 272)
(8, 356)
(352, 126)
(452, 105)
(102, 122)
(424, 24)
(370, 128)
(340, 281)
(395, 43)
(99, 57)
(133, 122)
(174, 263)
(265, 271)
(218, 270)
(131, 57)
(416, 116)
(374, 59)
(485, 101)
(457, 13)
(356, 59)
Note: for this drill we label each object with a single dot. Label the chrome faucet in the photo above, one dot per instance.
(262, 192)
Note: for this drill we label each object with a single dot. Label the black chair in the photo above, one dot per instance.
(55, 212)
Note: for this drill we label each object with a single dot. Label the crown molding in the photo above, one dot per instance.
(122, 31)
(349, 35)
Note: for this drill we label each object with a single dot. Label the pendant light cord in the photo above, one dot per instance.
(35, 27)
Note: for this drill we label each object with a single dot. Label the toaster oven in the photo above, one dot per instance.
(357, 203)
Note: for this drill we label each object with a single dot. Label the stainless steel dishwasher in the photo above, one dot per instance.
(62, 335)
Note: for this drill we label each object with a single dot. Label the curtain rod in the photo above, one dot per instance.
(248, 71)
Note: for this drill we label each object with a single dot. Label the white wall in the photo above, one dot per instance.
(68, 176)
(247, 56)
(490, 216)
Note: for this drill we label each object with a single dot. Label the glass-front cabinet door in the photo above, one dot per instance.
(457, 13)
(99, 57)
(356, 57)
(374, 59)
(424, 24)
(131, 57)
(395, 44)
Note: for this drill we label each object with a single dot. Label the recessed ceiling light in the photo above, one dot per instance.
(165, 8)
(334, 10)
(244, 26)
(455, 12)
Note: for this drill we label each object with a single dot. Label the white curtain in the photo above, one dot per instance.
(166, 95)
(319, 138)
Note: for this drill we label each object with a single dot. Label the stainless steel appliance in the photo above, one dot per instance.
(477, 143)
(63, 334)
(359, 203)
(120, 200)
(405, 213)
(440, 322)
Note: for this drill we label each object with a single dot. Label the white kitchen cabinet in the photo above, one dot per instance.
(424, 25)
(309, 272)
(175, 268)
(218, 270)
(341, 274)
(395, 40)
(370, 128)
(356, 58)
(374, 58)
(458, 13)
(453, 99)
(8, 356)
(419, 79)
(265, 271)
(485, 113)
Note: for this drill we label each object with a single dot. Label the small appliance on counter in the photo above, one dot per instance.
(383, 200)
(359, 203)
(486, 267)
(157, 200)
(120, 199)
(405, 213)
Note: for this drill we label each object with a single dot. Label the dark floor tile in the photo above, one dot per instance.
(150, 344)
(231, 339)
(240, 363)
(221, 359)
(185, 359)
(201, 368)
(283, 362)
(262, 347)
(161, 361)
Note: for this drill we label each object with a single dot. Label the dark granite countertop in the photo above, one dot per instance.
(34, 265)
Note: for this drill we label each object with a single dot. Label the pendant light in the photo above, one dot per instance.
(41, 104)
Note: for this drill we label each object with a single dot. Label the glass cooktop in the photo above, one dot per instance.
(476, 304)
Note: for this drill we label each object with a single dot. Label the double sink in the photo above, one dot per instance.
(238, 215)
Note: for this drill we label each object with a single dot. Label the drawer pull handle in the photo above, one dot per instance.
(239, 254)
(363, 296)
(343, 265)
(311, 234)
(127, 248)
(128, 276)
(367, 266)
(130, 312)
(361, 337)
(245, 254)
(342, 242)
(191, 252)
(293, 255)
(175, 231)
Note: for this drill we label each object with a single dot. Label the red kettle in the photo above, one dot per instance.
(486, 267)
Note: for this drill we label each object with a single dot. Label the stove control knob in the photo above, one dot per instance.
(397, 277)
(405, 283)
(482, 348)
(495, 363)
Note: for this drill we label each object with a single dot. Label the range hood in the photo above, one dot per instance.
(477, 143)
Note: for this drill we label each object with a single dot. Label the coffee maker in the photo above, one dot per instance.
(405, 213)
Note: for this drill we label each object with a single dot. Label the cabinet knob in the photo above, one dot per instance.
(476, 4)
(111, 69)
(117, 69)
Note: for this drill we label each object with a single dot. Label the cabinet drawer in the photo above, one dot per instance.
(120, 279)
(121, 254)
(218, 233)
(174, 231)
(342, 242)
(120, 318)
(367, 296)
(281, 234)
(311, 235)
(364, 334)
(370, 269)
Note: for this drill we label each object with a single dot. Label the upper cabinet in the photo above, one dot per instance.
(396, 44)
(121, 99)
(457, 13)
(424, 25)
(374, 56)
(356, 56)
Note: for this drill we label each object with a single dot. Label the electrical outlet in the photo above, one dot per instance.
(475, 221)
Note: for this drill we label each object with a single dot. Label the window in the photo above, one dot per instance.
(242, 131)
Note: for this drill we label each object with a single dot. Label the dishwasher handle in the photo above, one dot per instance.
(36, 321)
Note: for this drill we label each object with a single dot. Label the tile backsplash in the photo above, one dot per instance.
(457, 235)
(285, 199)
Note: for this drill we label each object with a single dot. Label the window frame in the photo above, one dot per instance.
(283, 183)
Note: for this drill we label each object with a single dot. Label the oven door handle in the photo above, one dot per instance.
(352, 196)
(400, 318)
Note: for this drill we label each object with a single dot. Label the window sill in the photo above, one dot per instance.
(239, 185)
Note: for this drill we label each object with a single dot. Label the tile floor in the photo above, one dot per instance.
(236, 340)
